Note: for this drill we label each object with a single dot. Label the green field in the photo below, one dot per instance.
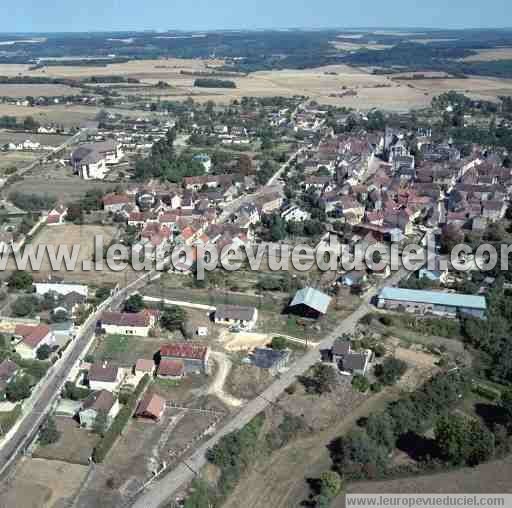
(126, 350)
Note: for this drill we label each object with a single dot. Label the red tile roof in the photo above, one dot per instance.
(187, 350)
(151, 406)
(32, 335)
(139, 319)
(144, 365)
(171, 368)
(116, 199)
(103, 372)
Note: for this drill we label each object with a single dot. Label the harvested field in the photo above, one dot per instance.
(352, 46)
(75, 445)
(17, 160)
(68, 116)
(489, 55)
(36, 183)
(19, 137)
(486, 478)
(40, 483)
(38, 90)
(83, 236)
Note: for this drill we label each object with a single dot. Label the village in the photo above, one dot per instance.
(137, 371)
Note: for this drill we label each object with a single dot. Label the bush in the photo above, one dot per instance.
(49, 433)
(360, 383)
(390, 370)
(379, 350)
(73, 392)
(44, 352)
(279, 343)
(486, 392)
(116, 428)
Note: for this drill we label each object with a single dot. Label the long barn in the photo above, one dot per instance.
(432, 302)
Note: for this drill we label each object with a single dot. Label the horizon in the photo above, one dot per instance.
(383, 29)
(29, 16)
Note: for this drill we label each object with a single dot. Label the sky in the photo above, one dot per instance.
(109, 15)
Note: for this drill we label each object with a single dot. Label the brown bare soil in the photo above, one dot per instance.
(75, 445)
(40, 483)
(489, 55)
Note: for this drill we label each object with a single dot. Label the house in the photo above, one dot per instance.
(244, 317)
(116, 202)
(127, 323)
(354, 278)
(270, 202)
(309, 302)
(269, 359)
(102, 376)
(144, 366)
(295, 214)
(349, 362)
(57, 215)
(171, 369)
(432, 302)
(101, 401)
(32, 338)
(151, 407)
(61, 288)
(91, 161)
(194, 355)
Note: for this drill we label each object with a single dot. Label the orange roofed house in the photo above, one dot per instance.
(151, 407)
(193, 355)
(32, 338)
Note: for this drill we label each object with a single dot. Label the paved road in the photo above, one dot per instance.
(48, 393)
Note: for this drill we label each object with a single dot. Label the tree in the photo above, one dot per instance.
(330, 484)
(100, 422)
(279, 343)
(463, 441)
(360, 383)
(324, 378)
(75, 213)
(135, 303)
(44, 352)
(59, 316)
(506, 402)
(380, 429)
(173, 318)
(20, 280)
(102, 294)
(18, 389)
(49, 433)
(23, 306)
(451, 236)
(390, 370)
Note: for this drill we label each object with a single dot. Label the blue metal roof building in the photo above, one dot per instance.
(311, 298)
(432, 301)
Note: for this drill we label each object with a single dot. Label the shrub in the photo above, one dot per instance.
(360, 383)
(390, 370)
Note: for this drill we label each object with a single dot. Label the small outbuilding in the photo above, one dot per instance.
(151, 407)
